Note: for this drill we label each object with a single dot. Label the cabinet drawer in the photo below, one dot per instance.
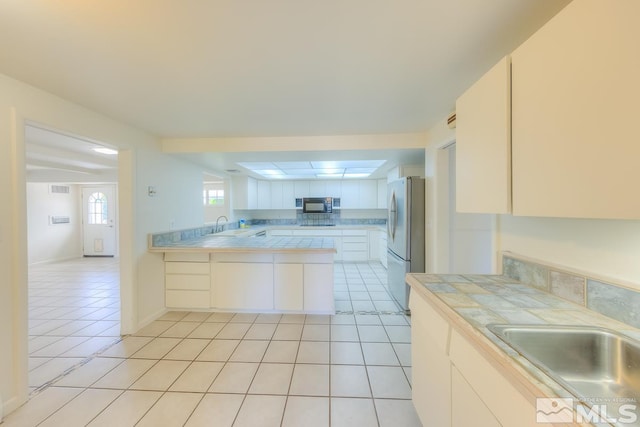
(186, 268)
(187, 281)
(355, 233)
(187, 299)
(187, 256)
(317, 233)
(354, 246)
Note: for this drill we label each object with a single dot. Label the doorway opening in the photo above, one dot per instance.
(73, 264)
(467, 241)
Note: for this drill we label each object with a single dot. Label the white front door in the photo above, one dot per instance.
(99, 212)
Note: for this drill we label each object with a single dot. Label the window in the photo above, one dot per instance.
(97, 209)
(213, 197)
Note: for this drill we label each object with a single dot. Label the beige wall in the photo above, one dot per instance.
(141, 164)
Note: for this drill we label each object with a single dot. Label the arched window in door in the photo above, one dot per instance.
(97, 209)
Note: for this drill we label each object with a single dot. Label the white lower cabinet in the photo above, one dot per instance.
(253, 282)
(240, 285)
(383, 248)
(318, 287)
(355, 245)
(288, 290)
(454, 383)
(187, 280)
(468, 409)
(430, 373)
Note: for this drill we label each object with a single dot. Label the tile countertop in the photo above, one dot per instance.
(243, 240)
(213, 243)
(470, 302)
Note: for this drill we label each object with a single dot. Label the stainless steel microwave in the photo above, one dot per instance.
(317, 205)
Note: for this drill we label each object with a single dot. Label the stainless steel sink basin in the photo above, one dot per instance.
(590, 362)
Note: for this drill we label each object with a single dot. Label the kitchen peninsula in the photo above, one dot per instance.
(230, 272)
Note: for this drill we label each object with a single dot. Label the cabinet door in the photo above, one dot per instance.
(467, 409)
(240, 194)
(301, 189)
(349, 199)
(252, 193)
(259, 287)
(288, 195)
(243, 286)
(317, 189)
(318, 288)
(374, 246)
(575, 114)
(228, 292)
(382, 193)
(277, 195)
(430, 381)
(264, 194)
(367, 194)
(288, 287)
(334, 189)
(483, 143)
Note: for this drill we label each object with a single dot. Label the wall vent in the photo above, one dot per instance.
(54, 220)
(60, 189)
(451, 121)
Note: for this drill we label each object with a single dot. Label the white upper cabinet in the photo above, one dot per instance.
(483, 144)
(368, 194)
(249, 193)
(334, 189)
(264, 195)
(288, 195)
(349, 199)
(576, 93)
(301, 189)
(317, 189)
(282, 195)
(277, 194)
(382, 193)
(245, 192)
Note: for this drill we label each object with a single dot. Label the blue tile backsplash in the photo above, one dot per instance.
(610, 299)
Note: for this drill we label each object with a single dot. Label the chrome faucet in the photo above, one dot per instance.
(221, 216)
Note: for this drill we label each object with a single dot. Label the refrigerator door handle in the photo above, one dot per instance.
(394, 257)
(393, 216)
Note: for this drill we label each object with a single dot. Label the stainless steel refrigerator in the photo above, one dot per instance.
(405, 241)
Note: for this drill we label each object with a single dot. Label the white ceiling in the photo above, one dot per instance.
(233, 68)
(194, 68)
(52, 156)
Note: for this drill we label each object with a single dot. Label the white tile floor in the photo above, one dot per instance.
(74, 312)
(224, 369)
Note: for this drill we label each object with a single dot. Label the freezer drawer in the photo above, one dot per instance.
(397, 269)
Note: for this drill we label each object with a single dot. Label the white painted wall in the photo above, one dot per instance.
(141, 163)
(176, 205)
(53, 242)
(470, 235)
(604, 248)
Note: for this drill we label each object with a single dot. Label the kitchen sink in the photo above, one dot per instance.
(590, 362)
